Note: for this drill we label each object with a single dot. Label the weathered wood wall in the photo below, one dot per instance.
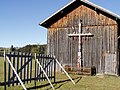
(99, 51)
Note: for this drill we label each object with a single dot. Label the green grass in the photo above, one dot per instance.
(105, 82)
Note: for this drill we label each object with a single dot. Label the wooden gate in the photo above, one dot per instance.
(23, 67)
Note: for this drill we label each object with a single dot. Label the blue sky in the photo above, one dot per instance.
(19, 19)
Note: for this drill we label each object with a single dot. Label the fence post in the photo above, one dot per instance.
(4, 71)
(54, 70)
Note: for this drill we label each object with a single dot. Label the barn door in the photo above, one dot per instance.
(110, 63)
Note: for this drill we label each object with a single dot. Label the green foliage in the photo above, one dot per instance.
(12, 48)
(2, 51)
(39, 49)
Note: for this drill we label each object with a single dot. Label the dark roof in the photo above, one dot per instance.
(71, 6)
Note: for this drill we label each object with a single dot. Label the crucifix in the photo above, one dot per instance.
(80, 35)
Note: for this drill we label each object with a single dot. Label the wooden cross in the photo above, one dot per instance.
(80, 35)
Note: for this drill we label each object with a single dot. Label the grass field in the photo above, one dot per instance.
(105, 82)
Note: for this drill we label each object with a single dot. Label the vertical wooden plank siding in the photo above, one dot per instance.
(94, 49)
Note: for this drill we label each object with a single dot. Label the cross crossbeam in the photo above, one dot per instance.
(80, 35)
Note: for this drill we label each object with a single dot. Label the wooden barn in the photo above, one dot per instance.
(101, 50)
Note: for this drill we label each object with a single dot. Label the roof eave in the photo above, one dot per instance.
(101, 8)
(45, 22)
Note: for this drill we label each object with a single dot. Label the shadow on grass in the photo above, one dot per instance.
(62, 82)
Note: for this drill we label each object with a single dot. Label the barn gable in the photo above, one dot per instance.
(71, 6)
(100, 51)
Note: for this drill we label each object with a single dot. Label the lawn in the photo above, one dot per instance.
(105, 82)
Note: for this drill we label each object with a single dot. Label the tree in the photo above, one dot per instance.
(12, 49)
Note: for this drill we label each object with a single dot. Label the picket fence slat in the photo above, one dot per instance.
(30, 70)
(21, 66)
(17, 66)
(13, 74)
(9, 71)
